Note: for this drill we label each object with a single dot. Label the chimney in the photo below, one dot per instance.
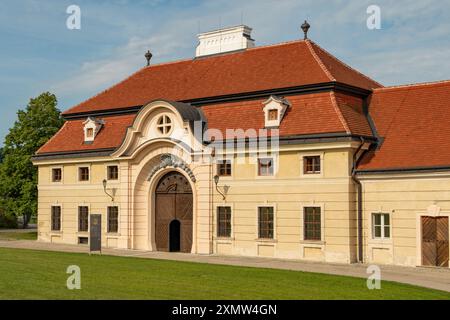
(224, 40)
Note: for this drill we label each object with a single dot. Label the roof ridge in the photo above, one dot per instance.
(411, 85)
(339, 113)
(344, 64)
(319, 61)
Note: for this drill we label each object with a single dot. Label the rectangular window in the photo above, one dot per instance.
(265, 167)
(83, 219)
(224, 168)
(56, 175)
(312, 223)
(89, 132)
(381, 226)
(311, 165)
(113, 172)
(83, 173)
(113, 219)
(224, 222)
(265, 222)
(273, 114)
(83, 240)
(56, 218)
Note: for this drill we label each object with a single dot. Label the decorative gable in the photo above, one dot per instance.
(92, 127)
(274, 110)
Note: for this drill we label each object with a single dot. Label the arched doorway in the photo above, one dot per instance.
(173, 213)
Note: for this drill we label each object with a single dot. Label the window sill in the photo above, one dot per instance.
(56, 232)
(313, 242)
(386, 241)
(263, 240)
(113, 235)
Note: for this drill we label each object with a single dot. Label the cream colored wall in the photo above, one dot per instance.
(71, 193)
(288, 191)
(405, 197)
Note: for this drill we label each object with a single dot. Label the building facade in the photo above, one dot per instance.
(279, 151)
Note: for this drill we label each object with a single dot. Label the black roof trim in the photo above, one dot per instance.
(74, 154)
(404, 170)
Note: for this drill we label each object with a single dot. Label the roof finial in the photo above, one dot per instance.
(148, 56)
(305, 28)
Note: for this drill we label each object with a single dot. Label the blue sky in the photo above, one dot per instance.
(38, 53)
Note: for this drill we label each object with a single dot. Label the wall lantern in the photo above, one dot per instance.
(216, 181)
(106, 192)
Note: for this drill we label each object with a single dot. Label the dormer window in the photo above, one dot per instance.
(90, 133)
(274, 110)
(92, 127)
(273, 114)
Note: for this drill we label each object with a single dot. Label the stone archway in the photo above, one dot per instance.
(173, 202)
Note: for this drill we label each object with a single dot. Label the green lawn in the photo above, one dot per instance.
(26, 274)
(18, 235)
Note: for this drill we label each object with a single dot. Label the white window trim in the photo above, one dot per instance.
(216, 164)
(106, 172)
(215, 224)
(275, 167)
(82, 233)
(275, 215)
(78, 173)
(62, 175)
(322, 223)
(302, 156)
(112, 234)
(372, 226)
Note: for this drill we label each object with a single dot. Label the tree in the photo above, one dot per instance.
(18, 177)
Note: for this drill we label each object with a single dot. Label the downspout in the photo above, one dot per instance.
(359, 199)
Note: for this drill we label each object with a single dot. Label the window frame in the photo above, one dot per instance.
(108, 172)
(108, 219)
(382, 226)
(52, 224)
(228, 165)
(80, 168)
(272, 167)
(260, 235)
(229, 222)
(90, 132)
(79, 219)
(314, 159)
(52, 175)
(319, 224)
(164, 128)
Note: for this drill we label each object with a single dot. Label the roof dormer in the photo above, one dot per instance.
(92, 127)
(274, 110)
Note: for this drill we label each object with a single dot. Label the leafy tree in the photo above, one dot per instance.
(18, 177)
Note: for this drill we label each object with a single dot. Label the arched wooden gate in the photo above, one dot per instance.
(173, 213)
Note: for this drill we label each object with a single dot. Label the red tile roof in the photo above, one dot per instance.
(308, 114)
(414, 121)
(71, 136)
(284, 65)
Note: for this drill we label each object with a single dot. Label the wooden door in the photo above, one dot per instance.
(173, 202)
(435, 241)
